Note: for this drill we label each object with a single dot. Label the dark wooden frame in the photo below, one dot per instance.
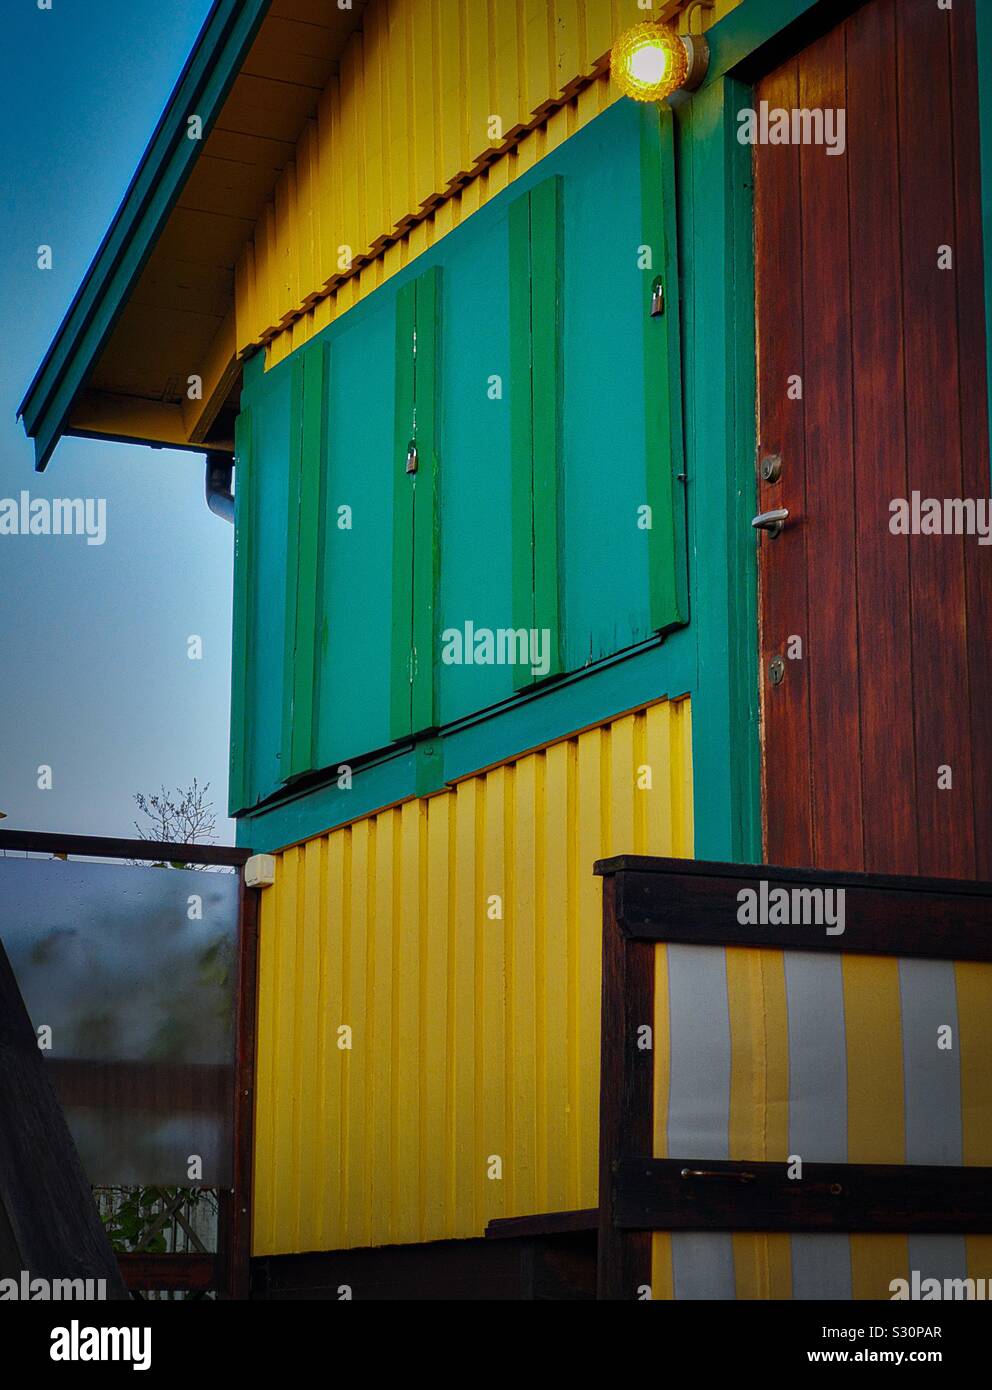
(885, 914)
(238, 1253)
(192, 1273)
(552, 1223)
(679, 1194)
(228, 1273)
(647, 901)
(100, 847)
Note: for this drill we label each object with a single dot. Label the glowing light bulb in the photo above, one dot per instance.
(649, 62)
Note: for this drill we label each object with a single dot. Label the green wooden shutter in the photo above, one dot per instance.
(242, 653)
(403, 495)
(664, 450)
(536, 252)
(302, 560)
(543, 284)
(354, 620)
(416, 523)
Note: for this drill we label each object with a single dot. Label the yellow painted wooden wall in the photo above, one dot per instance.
(490, 181)
(406, 126)
(474, 1037)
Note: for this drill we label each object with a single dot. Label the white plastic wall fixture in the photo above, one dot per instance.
(260, 871)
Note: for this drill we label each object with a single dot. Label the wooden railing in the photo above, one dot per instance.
(649, 902)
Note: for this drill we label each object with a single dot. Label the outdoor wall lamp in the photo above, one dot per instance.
(651, 61)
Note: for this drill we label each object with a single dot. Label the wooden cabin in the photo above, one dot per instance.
(507, 363)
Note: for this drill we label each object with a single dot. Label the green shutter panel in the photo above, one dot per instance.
(416, 519)
(426, 512)
(242, 654)
(536, 258)
(521, 425)
(302, 560)
(403, 494)
(664, 450)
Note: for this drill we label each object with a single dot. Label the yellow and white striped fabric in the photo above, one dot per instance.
(763, 1054)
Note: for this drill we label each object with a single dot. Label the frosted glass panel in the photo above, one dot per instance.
(133, 971)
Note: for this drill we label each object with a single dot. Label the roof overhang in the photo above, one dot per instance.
(156, 306)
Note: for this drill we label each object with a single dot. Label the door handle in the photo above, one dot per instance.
(772, 522)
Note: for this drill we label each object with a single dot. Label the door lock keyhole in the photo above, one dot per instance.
(771, 468)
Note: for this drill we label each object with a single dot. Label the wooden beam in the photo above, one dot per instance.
(218, 373)
(553, 1223)
(134, 420)
(698, 903)
(128, 419)
(100, 847)
(700, 1194)
(194, 1272)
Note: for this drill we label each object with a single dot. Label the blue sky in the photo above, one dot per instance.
(95, 680)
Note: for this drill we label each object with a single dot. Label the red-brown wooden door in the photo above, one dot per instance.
(894, 680)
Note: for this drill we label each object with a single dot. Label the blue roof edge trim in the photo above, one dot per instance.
(203, 85)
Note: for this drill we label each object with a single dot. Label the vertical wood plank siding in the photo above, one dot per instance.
(473, 1038)
(403, 141)
(241, 732)
(663, 375)
(852, 302)
(416, 514)
(546, 253)
(303, 560)
(536, 237)
(403, 505)
(426, 509)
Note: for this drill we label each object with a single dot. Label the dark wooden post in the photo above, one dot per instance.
(626, 1109)
(234, 1229)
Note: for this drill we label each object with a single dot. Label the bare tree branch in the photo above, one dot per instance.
(183, 816)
